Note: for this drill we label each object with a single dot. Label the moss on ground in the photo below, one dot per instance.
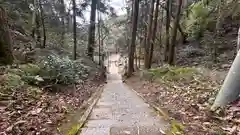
(74, 130)
(169, 73)
(176, 128)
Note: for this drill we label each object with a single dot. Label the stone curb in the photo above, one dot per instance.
(162, 113)
(154, 107)
(76, 128)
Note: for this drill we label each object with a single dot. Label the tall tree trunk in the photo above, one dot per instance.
(160, 36)
(62, 13)
(6, 55)
(168, 21)
(145, 28)
(135, 58)
(140, 52)
(149, 36)
(184, 35)
(238, 40)
(154, 32)
(38, 32)
(74, 30)
(43, 25)
(91, 34)
(129, 20)
(34, 19)
(217, 30)
(230, 89)
(174, 34)
(99, 33)
(134, 32)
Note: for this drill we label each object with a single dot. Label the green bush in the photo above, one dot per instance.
(12, 81)
(62, 70)
(51, 70)
(16, 71)
(30, 69)
(197, 20)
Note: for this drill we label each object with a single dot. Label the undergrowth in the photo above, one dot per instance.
(169, 73)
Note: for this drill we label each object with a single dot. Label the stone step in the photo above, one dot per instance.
(95, 131)
(101, 113)
(143, 130)
(101, 123)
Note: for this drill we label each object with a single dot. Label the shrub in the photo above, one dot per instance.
(30, 69)
(197, 20)
(169, 73)
(62, 70)
(12, 81)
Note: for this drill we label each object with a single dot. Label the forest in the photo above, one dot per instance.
(181, 56)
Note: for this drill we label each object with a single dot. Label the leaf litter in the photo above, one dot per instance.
(189, 101)
(42, 112)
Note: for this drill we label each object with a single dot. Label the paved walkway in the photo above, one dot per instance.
(120, 111)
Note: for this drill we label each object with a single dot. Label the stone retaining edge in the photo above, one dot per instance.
(151, 105)
(76, 129)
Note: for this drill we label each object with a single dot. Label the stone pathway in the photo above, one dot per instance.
(120, 111)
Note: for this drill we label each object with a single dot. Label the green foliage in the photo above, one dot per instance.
(169, 73)
(16, 71)
(176, 128)
(53, 70)
(197, 20)
(62, 70)
(74, 130)
(32, 80)
(12, 81)
(30, 69)
(29, 73)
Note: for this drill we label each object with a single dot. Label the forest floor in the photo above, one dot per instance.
(187, 91)
(188, 100)
(42, 112)
(29, 107)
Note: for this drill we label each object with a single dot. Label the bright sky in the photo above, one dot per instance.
(118, 5)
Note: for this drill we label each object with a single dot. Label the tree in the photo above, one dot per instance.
(6, 56)
(91, 33)
(160, 35)
(230, 89)
(184, 35)
(154, 33)
(99, 34)
(146, 10)
(43, 25)
(174, 34)
(134, 33)
(62, 13)
(38, 31)
(238, 40)
(217, 29)
(168, 21)
(149, 36)
(34, 18)
(74, 30)
(36, 23)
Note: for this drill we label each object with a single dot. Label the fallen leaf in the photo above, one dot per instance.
(36, 111)
(230, 130)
